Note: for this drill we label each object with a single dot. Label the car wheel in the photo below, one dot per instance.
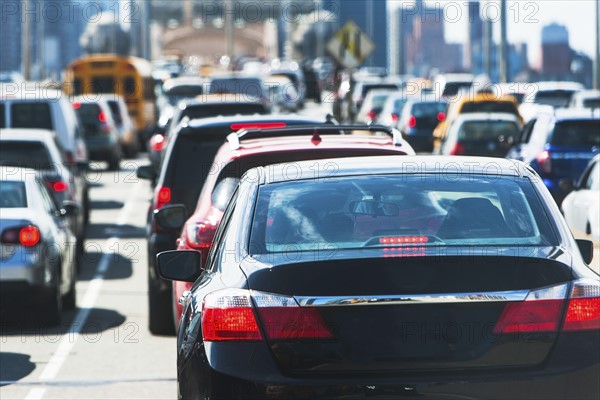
(160, 310)
(50, 307)
(69, 299)
(86, 208)
(114, 163)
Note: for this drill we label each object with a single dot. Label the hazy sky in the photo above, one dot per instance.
(525, 21)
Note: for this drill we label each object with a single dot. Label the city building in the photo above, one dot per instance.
(10, 34)
(556, 52)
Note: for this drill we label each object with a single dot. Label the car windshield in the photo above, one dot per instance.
(489, 107)
(577, 133)
(12, 194)
(25, 154)
(396, 210)
(486, 130)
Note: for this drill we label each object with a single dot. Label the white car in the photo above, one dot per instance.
(586, 99)
(581, 207)
(38, 259)
(43, 108)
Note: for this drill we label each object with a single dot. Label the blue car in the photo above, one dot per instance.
(558, 146)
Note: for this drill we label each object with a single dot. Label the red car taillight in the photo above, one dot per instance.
(371, 115)
(27, 236)
(412, 122)
(228, 315)
(200, 235)
(545, 162)
(539, 312)
(457, 150)
(157, 142)
(163, 196)
(584, 306)
(58, 186)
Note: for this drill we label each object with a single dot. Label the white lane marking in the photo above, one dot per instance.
(69, 339)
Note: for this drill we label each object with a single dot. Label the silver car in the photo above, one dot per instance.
(37, 248)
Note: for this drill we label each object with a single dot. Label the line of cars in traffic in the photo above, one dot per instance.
(304, 267)
(297, 257)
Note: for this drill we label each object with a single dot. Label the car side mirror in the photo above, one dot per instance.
(179, 265)
(586, 247)
(69, 209)
(171, 217)
(146, 172)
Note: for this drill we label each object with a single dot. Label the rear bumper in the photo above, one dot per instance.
(25, 266)
(579, 385)
(571, 372)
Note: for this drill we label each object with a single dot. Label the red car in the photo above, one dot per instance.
(248, 149)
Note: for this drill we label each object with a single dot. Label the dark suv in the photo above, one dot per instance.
(188, 161)
(559, 146)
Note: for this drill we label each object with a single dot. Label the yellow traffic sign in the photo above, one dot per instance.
(350, 46)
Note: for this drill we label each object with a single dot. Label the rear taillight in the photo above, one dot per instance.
(163, 196)
(102, 117)
(544, 160)
(441, 116)
(371, 115)
(229, 315)
(457, 150)
(539, 312)
(412, 122)
(58, 186)
(27, 236)
(200, 235)
(584, 306)
(157, 143)
(395, 117)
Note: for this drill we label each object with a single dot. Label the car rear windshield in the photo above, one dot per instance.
(399, 210)
(367, 88)
(488, 130)
(489, 107)
(190, 162)
(251, 88)
(554, 98)
(12, 194)
(177, 93)
(25, 154)
(591, 103)
(2, 116)
(89, 113)
(224, 109)
(577, 133)
(31, 115)
(430, 109)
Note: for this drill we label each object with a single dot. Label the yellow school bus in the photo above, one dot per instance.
(129, 77)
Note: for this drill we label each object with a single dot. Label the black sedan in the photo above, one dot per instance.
(395, 277)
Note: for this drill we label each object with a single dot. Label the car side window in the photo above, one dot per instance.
(593, 181)
(526, 131)
(46, 199)
(217, 248)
